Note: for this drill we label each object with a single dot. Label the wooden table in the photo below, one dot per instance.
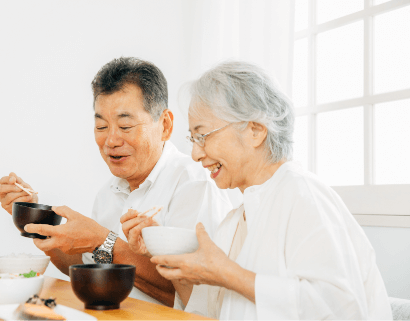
(130, 309)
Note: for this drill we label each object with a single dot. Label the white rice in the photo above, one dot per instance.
(10, 276)
(18, 256)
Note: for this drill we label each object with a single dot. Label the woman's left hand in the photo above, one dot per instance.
(208, 265)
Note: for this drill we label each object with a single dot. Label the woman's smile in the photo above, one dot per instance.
(215, 169)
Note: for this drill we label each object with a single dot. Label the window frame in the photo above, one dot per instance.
(371, 205)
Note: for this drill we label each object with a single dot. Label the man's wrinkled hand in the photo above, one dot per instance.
(10, 193)
(132, 224)
(79, 234)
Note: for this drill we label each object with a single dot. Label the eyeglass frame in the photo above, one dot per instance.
(200, 140)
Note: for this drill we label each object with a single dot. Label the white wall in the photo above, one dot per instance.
(392, 247)
(50, 52)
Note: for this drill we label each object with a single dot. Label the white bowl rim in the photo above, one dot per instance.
(34, 278)
(24, 258)
(169, 228)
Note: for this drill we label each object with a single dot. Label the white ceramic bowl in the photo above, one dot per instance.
(37, 263)
(19, 290)
(161, 240)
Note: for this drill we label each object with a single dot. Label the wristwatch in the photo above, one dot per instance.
(103, 254)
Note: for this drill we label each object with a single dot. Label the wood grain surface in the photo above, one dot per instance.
(130, 309)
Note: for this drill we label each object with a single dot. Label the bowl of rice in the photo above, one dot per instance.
(23, 263)
(18, 288)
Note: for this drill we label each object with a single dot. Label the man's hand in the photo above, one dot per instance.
(79, 235)
(132, 224)
(10, 193)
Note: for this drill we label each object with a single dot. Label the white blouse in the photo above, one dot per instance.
(311, 258)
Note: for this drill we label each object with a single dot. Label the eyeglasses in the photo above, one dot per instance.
(200, 139)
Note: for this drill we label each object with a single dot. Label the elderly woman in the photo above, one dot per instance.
(292, 250)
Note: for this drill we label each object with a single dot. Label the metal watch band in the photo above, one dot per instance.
(109, 241)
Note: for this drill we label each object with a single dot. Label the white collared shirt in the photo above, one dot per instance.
(182, 187)
(311, 258)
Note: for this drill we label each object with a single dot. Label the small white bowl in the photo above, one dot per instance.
(36, 263)
(19, 290)
(162, 240)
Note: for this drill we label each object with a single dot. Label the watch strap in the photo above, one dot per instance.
(109, 242)
(107, 246)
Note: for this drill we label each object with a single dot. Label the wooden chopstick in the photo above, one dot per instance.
(139, 214)
(151, 209)
(27, 190)
(159, 210)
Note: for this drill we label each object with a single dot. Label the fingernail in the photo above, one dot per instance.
(25, 228)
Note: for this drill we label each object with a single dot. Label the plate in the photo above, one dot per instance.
(7, 310)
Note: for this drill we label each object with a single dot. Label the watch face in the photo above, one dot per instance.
(102, 257)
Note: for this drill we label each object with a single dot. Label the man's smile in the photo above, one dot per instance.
(117, 158)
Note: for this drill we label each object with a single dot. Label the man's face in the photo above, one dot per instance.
(130, 142)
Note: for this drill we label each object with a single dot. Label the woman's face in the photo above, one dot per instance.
(225, 153)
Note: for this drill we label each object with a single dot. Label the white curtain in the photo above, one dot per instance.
(258, 31)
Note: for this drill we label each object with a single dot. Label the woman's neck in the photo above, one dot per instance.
(262, 171)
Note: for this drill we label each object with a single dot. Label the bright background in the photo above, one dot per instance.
(50, 52)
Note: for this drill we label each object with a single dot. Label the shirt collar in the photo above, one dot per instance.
(121, 185)
(168, 150)
(275, 178)
(252, 194)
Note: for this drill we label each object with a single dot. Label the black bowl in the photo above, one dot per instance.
(102, 286)
(26, 213)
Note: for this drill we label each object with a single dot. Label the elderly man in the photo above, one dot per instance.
(132, 130)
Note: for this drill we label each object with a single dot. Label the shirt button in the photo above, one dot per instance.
(252, 189)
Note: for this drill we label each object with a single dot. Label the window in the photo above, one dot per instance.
(351, 90)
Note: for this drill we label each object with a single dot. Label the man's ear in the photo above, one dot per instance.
(167, 119)
(259, 133)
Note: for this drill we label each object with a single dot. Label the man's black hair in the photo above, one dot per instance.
(118, 73)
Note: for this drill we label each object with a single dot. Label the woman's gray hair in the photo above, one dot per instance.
(241, 92)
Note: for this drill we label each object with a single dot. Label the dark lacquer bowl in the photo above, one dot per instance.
(26, 213)
(102, 286)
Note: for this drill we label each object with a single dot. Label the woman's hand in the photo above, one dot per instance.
(208, 265)
(132, 224)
